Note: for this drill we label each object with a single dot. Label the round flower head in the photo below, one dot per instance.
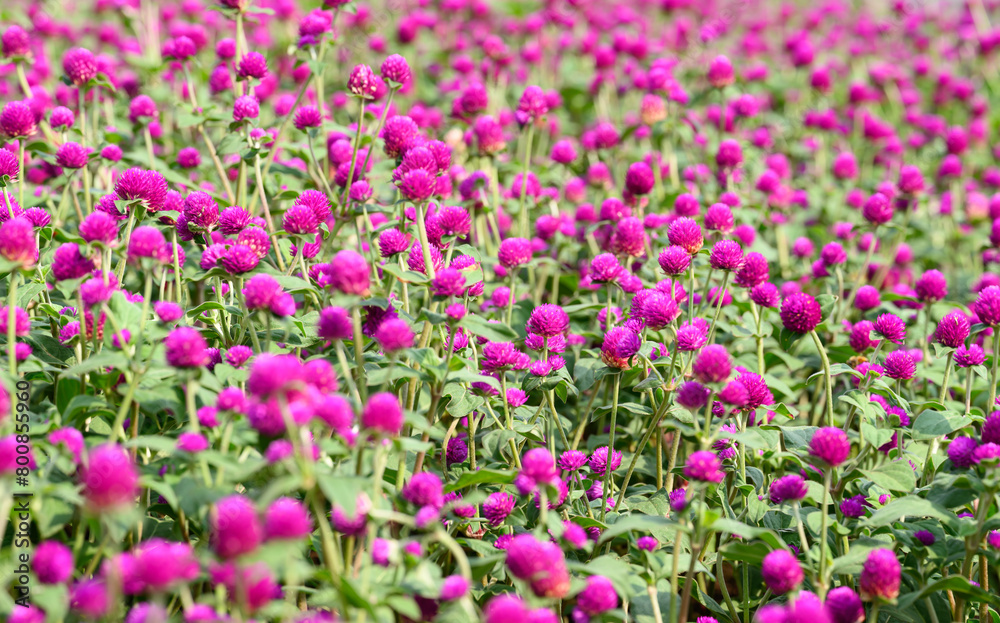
(394, 335)
(188, 158)
(541, 564)
(454, 587)
(674, 260)
(877, 209)
(383, 414)
(349, 273)
(72, 155)
(726, 255)
(713, 365)
(753, 271)
(424, 489)
(52, 562)
(730, 154)
(659, 310)
(514, 252)
(149, 187)
(790, 488)
(234, 526)
(598, 461)
(15, 42)
(142, 107)
(395, 69)
(598, 596)
(245, 107)
(620, 346)
(720, 72)
(417, 185)
(308, 117)
(781, 571)
(830, 445)
(9, 168)
(639, 179)
(867, 298)
(497, 506)
(931, 286)
(80, 65)
(239, 259)
(109, 478)
(17, 120)
(532, 105)
(686, 233)
(186, 348)
(300, 219)
(800, 313)
(253, 65)
(891, 327)
(605, 268)
(362, 82)
(961, 452)
(900, 365)
(987, 306)
(880, 576)
(704, 466)
(548, 321)
(860, 338)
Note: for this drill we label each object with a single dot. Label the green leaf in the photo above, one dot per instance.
(105, 359)
(913, 507)
(482, 476)
(931, 424)
(898, 476)
(492, 331)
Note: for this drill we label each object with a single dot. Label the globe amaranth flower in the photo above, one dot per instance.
(987, 306)
(891, 327)
(334, 324)
(540, 564)
(361, 82)
(72, 155)
(620, 346)
(597, 596)
(830, 445)
(186, 348)
(781, 571)
(17, 244)
(971, 356)
(800, 313)
(931, 286)
(880, 576)
(726, 255)
(395, 69)
(245, 107)
(349, 273)
(538, 469)
(674, 260)
(16, 120)
(854, 507)
(498, 506)
(877, 209)
(394, 335)
(235, 528)
(713, 365)
(860, 337)
(686, 233)
(424, 489)
(925, 537)
(629, 237)
(109, 478)
(148, 187)
(52, 562)
(765, 295)
(900, 365)
(720, 72)
(80, 65)
(704, 466)
(790, 488)
(239, 259)
(514, 252)
(659, 311)
(383, 414)
(448, 282)
(548, 321)
(691, 337)
(605, 268)
(867, 298)
(253, 65)
(598, 460)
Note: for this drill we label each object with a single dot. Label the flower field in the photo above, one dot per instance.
(554, 311)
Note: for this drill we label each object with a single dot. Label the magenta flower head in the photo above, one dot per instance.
(308, 117)
(686, 233)
(362, 83)
(235, 527)
(334, 324)
(9, 169)
(753, 272)
(17, 243)
(532, 105)
(844, 606)
(877, 209)
(61, 118)
(891, 327)
(188, 158)
(186, 348)
(713, 365)
(514, 252)
(781, 572)
(911, 180)
(800, 313)
(620, 345)
(931, 286)
(142, 107)
(900, 365)
(454, 587)
(394, 335)
(17, 120)
(659, 310)
(639, 179)
(383, 414)
(498, 506)
(830, 445)
(790, 488)
(245, 107)
(109, 478)
(674, 260)
(52, 562)
(253, 65)
(726, 255)
(720, 72)
(880, 576)
(424, 489)
(548, 321)
(598, 596)
(15, 42)
(961, 452)
(539, 563)
(395, 69)
(987, 306)
(72, 155)
(704, 466)
(80, 65)
(148, 187)
(349, 273)
(417, 185)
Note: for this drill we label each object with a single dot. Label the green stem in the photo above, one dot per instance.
(827, 379)
(611, 444)
(12, 324)
(824, 521)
